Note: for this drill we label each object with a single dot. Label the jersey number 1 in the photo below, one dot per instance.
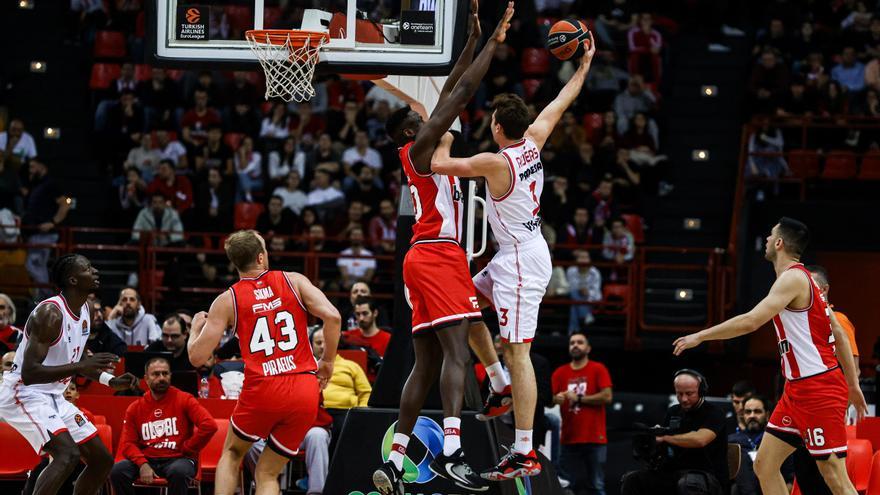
(261, 339)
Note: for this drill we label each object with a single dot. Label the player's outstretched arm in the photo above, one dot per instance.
(318, 305)
(479, 165)
(782, 293)
(44, 329)
(467, 54)
(546, 121)
(444, 115)
(845, 358)
(208, 328)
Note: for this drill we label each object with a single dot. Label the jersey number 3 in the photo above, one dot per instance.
(261, 339)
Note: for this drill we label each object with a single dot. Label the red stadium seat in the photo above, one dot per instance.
(15, 467)
(175, 74)
(535, 61)
(210, 455)
(858, 462)
(839, 165)
(109, 44)
(233, 139)
(804, 164)
(142, 72)
(357, 355)
(870, 169)
(616, 293)
(100, 420)
(105, 433)
(246, 215)
(635, 225)
(531, 87)
(103, 75)
(851, 432)
(874, 479)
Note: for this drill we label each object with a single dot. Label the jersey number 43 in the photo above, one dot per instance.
(262, 341)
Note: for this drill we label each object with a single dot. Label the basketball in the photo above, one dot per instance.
(568, 38)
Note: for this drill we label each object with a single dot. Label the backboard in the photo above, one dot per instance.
(413, 37)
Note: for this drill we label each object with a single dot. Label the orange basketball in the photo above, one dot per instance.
(568, 38)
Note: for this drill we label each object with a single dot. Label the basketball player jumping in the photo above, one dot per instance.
(269, 310)
(440, 310)
(814, 348)
(32, 393)
(515, 280)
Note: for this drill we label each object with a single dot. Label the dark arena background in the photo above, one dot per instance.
(700, 125)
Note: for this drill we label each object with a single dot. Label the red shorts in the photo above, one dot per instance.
(438, 286)
(280, 409)
(814, 410)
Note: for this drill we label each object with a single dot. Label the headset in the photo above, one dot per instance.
(704, 385)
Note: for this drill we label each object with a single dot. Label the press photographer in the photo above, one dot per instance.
(693, 458)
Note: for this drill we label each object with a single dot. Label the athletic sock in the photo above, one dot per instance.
(451, 435)
(398, 450)
(497, 377)
(523, 442)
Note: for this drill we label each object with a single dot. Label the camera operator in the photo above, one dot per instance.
(695, 451)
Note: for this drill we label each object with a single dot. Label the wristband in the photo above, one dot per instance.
(105, 378)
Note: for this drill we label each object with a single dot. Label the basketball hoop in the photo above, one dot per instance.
(288, 58)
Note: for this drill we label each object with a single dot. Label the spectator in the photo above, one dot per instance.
(607, 136)
(323, 152)
(376, 124)
(585, 283)
(323, 195)
(214, 204)
(10, 335)
(289, 159)
(617, 18)
(797, 101)
(276, 220)
(774, 38)
(242, 118)
(196, 121)
(362, 152)
(872, 72)
(742, 391)
(638, 137)
(162, 435)
(101, 337)
(276, 125)
(636, 98)
(602, 203)
(618, 244)
(364, 188)
(176, 188)
(7, 362)
(568, 134)
(130, 321)
(242, 89)
(768, 82)
(308, 123)
(159, 98)
(766, 140)
(46, 207)
(358, 290)
(356, 269)
(205, 82)
(124, 124)
(367, 333)
(558, 204)
(348, 387)
(163, 222)
(604, 80)
(210, 386)
(814, 72)
(354, 218)
(756, 415)
(580, 233)
(132, 195)
(351, 124)
(291, 194)
(174, 337)
(383, 228)
(172, 149)
(833, 101)
(249, 167)
(582, 388)
(328, 270)
(17, 146)
(145, 158)
(215, 154)
(806, 43)
(850, 73)
(645, 44)
(125, 81)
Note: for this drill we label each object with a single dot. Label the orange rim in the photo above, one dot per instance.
(297, 37)
(363, 77)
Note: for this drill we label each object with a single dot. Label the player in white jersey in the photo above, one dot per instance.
(515, 280)
(32, 393)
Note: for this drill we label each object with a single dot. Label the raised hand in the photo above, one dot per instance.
(500, 33)
(588, 54)
(475, 30)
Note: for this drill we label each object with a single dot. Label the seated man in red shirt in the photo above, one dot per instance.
(162, 435)
(367, 334)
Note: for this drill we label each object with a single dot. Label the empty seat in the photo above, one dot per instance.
(874, 479)
(839, 165)
(103, 75)
(635, 225)
(210, 455)
(535, 61)
(142, 72)
(616, 293)
(804, 164)
(858, 462)
(246, 215)
(870, 169)
(15, 467)
(109, 44)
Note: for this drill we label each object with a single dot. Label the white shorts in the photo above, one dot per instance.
(515, 282)
(38, 416)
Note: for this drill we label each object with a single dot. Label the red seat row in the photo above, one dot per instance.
(839, 164)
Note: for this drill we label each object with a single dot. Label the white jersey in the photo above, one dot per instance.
(515, 216)
(67, 348)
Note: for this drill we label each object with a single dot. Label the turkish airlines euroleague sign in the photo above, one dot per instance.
(192, 22)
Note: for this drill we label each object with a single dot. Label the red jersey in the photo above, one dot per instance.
(378, 342)
(582, 423)
(272, 326)
(804, 335)
(437, 202)
(176, 426)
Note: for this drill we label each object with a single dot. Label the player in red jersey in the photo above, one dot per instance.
(435, 270)
(814, 348)
(269, 310)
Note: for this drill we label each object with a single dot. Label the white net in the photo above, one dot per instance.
(289, 67)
